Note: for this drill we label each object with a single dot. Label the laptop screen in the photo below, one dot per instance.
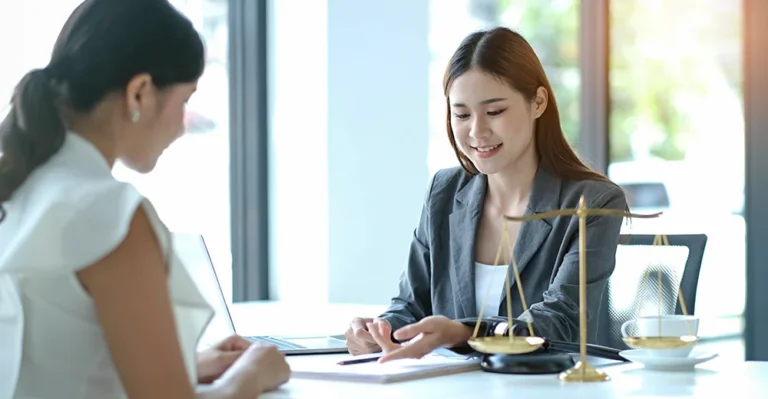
(191, 250)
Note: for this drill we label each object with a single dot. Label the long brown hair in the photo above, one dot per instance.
(505, 54)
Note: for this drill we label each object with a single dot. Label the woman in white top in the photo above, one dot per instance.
(93, 301)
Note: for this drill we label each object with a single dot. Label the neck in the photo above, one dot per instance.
(509, 189)
(98, 132)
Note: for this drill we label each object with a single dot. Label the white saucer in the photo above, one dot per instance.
(667, 363)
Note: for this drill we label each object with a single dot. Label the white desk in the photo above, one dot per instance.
(721, 377)
(713, 379)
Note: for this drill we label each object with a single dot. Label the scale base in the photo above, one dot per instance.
(531, 363)
(583, 372)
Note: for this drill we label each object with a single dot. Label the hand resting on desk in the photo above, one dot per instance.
(422, 337)
(214, 361)
(241, 368)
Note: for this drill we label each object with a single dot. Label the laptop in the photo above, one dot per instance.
(193, 251)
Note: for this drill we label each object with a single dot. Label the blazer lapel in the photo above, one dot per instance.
(464, 221)
(545, 196)
(532, 234)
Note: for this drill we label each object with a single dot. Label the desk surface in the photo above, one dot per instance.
(712, 379)
(721, 377)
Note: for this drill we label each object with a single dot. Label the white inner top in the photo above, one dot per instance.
(489, 276)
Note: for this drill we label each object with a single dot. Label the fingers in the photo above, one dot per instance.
(360, 330)
(359, 339)
(416, 349)
(359, 348)
(383, 321)
(284, 373)
(356, 348)
(258, 350)
(212, 362)
(226, 359)
(408, 332)
(381, 333)
(235, 343)
(353, 346)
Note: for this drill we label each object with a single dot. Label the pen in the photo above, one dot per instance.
(357, 361)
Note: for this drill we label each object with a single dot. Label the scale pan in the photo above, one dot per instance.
(503, 345)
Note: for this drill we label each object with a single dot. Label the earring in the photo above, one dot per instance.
(135, 116)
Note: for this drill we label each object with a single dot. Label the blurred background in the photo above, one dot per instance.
(353, 128)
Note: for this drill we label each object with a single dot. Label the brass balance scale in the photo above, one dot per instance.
(582, 371)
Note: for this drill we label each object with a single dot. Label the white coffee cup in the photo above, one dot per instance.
(664, 326)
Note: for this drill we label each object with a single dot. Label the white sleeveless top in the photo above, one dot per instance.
(493, 278)
(70, 213)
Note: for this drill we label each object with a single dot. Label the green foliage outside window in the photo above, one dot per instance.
(658, 86)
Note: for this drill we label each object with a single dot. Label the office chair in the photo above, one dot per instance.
(633, 289)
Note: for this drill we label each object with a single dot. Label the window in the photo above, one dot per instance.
(190, 186)
(677, 130)
(646, 195)
(552, 28)
(27, 36)
(356, 129)
(298, 137)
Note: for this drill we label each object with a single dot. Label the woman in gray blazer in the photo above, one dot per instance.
(503, 123)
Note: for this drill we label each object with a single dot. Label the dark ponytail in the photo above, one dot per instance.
(102, 46)
(30, 134)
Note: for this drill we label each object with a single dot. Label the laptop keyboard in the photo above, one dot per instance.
(279, 343)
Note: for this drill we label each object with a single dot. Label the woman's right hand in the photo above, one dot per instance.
(261, 368)
(359, 340)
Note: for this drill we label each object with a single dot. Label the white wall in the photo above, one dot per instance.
(349, 137)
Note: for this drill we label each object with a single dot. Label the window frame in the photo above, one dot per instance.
(756, 192)
(248, 149)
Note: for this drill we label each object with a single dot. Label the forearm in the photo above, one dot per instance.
(554, 324)
(487, 326)
(401, 314)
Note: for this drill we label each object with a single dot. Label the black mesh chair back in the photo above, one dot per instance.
(646, 281)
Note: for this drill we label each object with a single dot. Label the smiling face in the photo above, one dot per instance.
(493, 125)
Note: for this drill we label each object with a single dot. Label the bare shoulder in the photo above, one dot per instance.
(130, 292)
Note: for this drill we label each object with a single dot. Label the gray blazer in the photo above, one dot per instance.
(439, 278)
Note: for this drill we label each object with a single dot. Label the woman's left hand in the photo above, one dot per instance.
(214, 361)
(423, 337)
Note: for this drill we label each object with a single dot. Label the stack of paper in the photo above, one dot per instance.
(325, 367)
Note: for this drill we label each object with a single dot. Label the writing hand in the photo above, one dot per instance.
(422, 338)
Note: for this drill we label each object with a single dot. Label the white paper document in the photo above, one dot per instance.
(325, 367)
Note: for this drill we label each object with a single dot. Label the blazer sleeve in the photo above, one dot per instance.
(413, 301)
(557, 315)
